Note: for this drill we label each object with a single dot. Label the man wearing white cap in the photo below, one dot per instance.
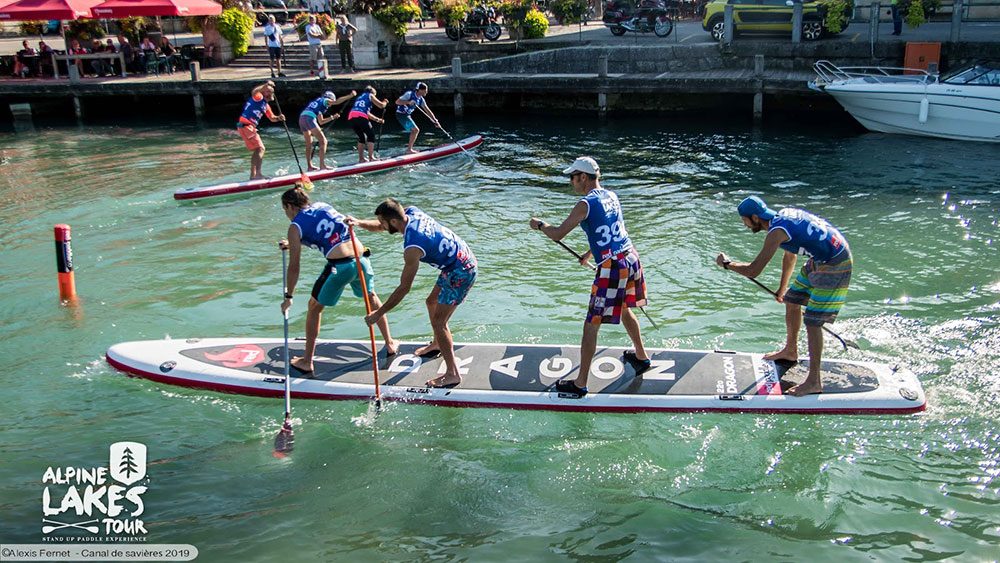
(619, 285)
(311, 122)
(821, 284)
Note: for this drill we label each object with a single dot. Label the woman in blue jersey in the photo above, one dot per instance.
(425, 240)
(311, 122)
(361, 118)
(619, 285)
(319, 226)
(821, 284)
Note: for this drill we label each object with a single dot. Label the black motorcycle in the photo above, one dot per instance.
(650, 16)
(479, 20)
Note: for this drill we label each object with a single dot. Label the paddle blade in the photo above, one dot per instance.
(305, 183)
(284, 442)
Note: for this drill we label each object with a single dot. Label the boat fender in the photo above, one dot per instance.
(924, 107)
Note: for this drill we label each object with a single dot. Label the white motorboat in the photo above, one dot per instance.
(963, 105)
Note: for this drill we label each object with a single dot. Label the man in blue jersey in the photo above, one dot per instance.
(426, 240)
(821, 284)
(320, 226)
(255, 108)
(619, 285)
(311, 122)
(410, 101)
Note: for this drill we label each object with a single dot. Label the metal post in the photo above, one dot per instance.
(758, 97)
(796, 22)
(602, 66)
(456, 67)
(459, 105)
(77, 106)
(602, 104)
(758, 66)
(195, 71)
(199, 106)
(956, 20)
(73, 72)
(727, 35)
(874, 15)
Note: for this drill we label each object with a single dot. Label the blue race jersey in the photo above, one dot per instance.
(604, 225)
(321, 227)
(315, 107)
(254, 110)
(363, 103)
(808, 235)
(409, 96)
(442, 248)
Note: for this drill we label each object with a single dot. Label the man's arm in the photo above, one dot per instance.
(753, 269)
(294, 246)
(787, 269)
(372, 225)
(411, 262)
(430, 113)
(578, 214)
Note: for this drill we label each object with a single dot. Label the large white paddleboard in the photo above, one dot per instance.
(523, 376)
(350, 170)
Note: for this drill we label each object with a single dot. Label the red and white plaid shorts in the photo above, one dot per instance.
(619, 281)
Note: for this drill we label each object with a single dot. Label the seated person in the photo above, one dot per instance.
(168, 50)
(76, 49)
(26, 61)
(100, 67)
(128, 52)
(45, 59)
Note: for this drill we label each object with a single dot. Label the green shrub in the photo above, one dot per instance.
(85, 30)
(236, 26)
(196, 23)
(451, 11)
(369, 6)
(398, 15)
(569, 11)
(324, 21)
(915, 14)
(837, 12)
(514, 12)
(32, 27)
(535, 25)
(133, 27)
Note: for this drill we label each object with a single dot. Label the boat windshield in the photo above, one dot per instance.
(981, 75)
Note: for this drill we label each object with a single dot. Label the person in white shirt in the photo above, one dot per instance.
(314, 34)
(275, 43)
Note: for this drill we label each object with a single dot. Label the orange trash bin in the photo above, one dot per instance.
(920, 55)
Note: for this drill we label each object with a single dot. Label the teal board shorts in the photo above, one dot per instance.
(406, 122)
(337, 275)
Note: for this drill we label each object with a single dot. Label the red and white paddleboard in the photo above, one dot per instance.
(523, 376)
(359, 168)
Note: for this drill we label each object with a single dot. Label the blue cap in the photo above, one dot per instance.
(753, 205)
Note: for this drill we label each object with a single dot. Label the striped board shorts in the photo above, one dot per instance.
(619, 281)
(822, 288)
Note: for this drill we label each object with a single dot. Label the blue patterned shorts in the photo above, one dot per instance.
(455, 285)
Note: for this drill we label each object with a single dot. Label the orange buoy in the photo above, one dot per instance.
(64, 263)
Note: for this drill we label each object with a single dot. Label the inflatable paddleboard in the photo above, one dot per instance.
(523, 376)
(351, 170)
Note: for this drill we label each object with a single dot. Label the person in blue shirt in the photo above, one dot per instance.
(619, 285)
(311, 122)
(425, 240)
(821, 284)
(410, 101)
(320, 226)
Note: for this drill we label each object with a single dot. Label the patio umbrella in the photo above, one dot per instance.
(61, 10)
(117, 9)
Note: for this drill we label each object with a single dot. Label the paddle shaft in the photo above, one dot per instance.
(288, 134)
(368, 310)
(843, 342)
(288, 383)
(593, 267)
(378, 141)
(450, 138)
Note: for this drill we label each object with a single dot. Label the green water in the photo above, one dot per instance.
(427, 483)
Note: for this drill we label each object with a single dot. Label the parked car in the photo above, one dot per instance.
(276, 8)
(770, 16)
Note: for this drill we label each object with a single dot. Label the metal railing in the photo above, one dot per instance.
(829, 72)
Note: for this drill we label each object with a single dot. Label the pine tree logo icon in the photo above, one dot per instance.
(128, 462)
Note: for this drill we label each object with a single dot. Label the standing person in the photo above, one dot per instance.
(255, 108)
(311, 122)
(426, 240)
(275, 43)
(127, 51)
(320, 226)
(361, 118)
(406, 105)
(821, 284)
(345, 42)
(897, 18)
(315, 36)
(619, 285)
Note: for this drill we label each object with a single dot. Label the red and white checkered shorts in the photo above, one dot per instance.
(619, 281)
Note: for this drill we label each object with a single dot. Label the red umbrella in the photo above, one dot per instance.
(116, 9)
(47, 10)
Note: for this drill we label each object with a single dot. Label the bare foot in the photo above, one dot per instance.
(258, 177)
(301, 365)
(783, 354)
(806, 388)
(326, 167)
(392, 347)
(411, 151)
(445, 381)
(310, 168)
(427, 349)
(362, 160)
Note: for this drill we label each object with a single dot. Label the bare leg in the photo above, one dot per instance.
(313, 317)
(256, 164)
(442, 334)
(432, 304)
(361, 152)
(413, 139)
(588, 347)
(309, 150)
(322, 148)
(813, 383)
(631, 324)
(793, 322)
(391, 346)
(371, 150)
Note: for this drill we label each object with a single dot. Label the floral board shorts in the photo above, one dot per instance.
(619, 282)
(822, 288)
(455, 285)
